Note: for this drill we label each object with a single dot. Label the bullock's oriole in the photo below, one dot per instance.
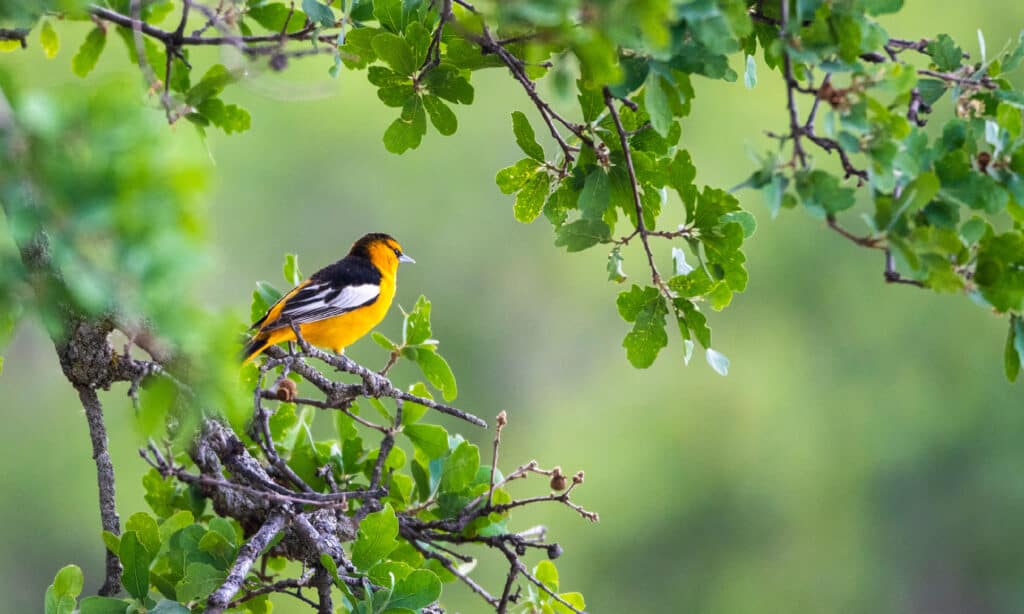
(339, 303)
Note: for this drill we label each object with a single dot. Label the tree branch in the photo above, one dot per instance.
(105, 479)
(247, 554)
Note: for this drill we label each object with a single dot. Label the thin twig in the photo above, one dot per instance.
(641, 227)
(220, 598)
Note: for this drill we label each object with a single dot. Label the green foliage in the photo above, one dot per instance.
(944, 202)
(62, 595)
(541, 601)
(175, 557)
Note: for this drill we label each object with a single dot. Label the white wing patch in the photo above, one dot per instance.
(320, 301)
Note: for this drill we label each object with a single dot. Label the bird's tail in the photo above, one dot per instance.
(254, 347)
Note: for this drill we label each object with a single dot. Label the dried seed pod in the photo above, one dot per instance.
(558, 481)
(286, 390)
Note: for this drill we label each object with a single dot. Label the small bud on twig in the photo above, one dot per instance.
(286, 390)
(558, 481)
(983, 159)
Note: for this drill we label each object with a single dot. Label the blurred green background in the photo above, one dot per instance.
(863, 455)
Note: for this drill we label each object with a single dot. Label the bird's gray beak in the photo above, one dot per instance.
(404, 258)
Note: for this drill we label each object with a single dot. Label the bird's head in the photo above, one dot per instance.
(380, 249)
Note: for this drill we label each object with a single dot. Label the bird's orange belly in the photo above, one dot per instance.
(339, 332)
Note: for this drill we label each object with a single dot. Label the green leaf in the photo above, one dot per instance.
(145, 528)
(407, 131)
(390, 573)
(273, 15)
(512, 178)
(745, 219)
(440, 115)
(821, 192)
(111, 541)
(216, 545)
(915, 196)
(656, 101)
(596, 195)
(230, 118)
(1018, 327)
(880, 7)
(430, 438)
(166, 606)
(69, 581)
(291, 272)
(1014, 56)
(214, 80)
(581, 234)
(397, 95)
(532, 196)
(646, 308)
(332, 568)
(614, 268)
(1013, 353)
(57, 604)
(318, 13)
(396, 51)
(357, 51)
(412, 412)
(416, 328)
(376, 538)
(575, 599)
(135, 559)
(85, 60)
(48, 39)
(931, 90)
(525, 137)
(460, 467)
(695, 283)
(693, 321)
(383, 341)
(104, 605)
(1011, 97)
(419, 589)
(200, 580)
(177, 522)
(547, 573)
(445, 82)
(945, 53)
(437, 372)
(390, 14)
(1000, 270)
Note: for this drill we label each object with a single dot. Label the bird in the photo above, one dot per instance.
(338, 304)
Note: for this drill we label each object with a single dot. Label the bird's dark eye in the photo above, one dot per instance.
(398, 252)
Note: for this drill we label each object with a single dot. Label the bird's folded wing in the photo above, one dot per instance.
(318, 301)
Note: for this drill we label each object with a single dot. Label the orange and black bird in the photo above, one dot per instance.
(339, 303)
